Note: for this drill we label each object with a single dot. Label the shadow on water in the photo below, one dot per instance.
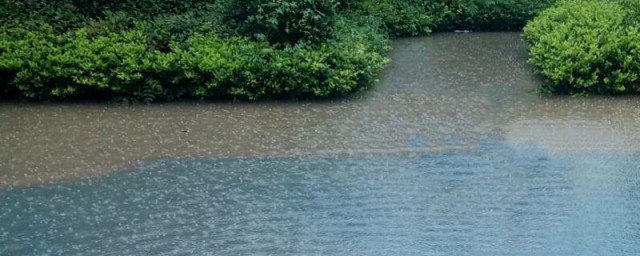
(448, 155)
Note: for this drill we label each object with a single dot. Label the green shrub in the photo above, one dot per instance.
(245, 69)
(164, 30)
(367, 30)
(29, 14)
(482, 15)
(633, 6)
(419, 17)
(247, 49)
(102, 63)
(137, 8)
(49, 66)
(400, 17)
(282, 22)
(28, 49)
(6, 75)
(65, 15)
(586, 47)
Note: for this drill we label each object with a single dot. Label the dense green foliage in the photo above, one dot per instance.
(421, 17)
(50, 66)
(248, 69)
(399, 17)
(243, 49)
(190, 55)
(587, 47)
(226, 49)
(283, 21)
(483, 15)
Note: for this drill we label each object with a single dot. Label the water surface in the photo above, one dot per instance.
(450, 154)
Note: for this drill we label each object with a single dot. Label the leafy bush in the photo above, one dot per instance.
(245, 69)
(137, 8)
(283, 22)
(247, 49)
(29, 14)
(52, 66)
(23, 49)
(104, 64)
(482, 15)
(586, 47)
(419, 17)
(164, 29)
(177, 28)
(400, 17)
(632, 6)
(6, 74)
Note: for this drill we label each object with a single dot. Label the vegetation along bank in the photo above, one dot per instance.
(162, 50)
(587, 47)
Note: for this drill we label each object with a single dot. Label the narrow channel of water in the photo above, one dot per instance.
(449, 155)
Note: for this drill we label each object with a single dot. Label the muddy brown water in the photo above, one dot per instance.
(444, 88)
(449, 154)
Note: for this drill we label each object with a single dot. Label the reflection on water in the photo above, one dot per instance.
(448, 155)
(492, 201)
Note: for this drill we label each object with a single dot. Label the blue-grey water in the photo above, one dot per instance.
(495, 200)
(450, 154)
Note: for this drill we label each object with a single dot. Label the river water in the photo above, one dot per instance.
(450, 154)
